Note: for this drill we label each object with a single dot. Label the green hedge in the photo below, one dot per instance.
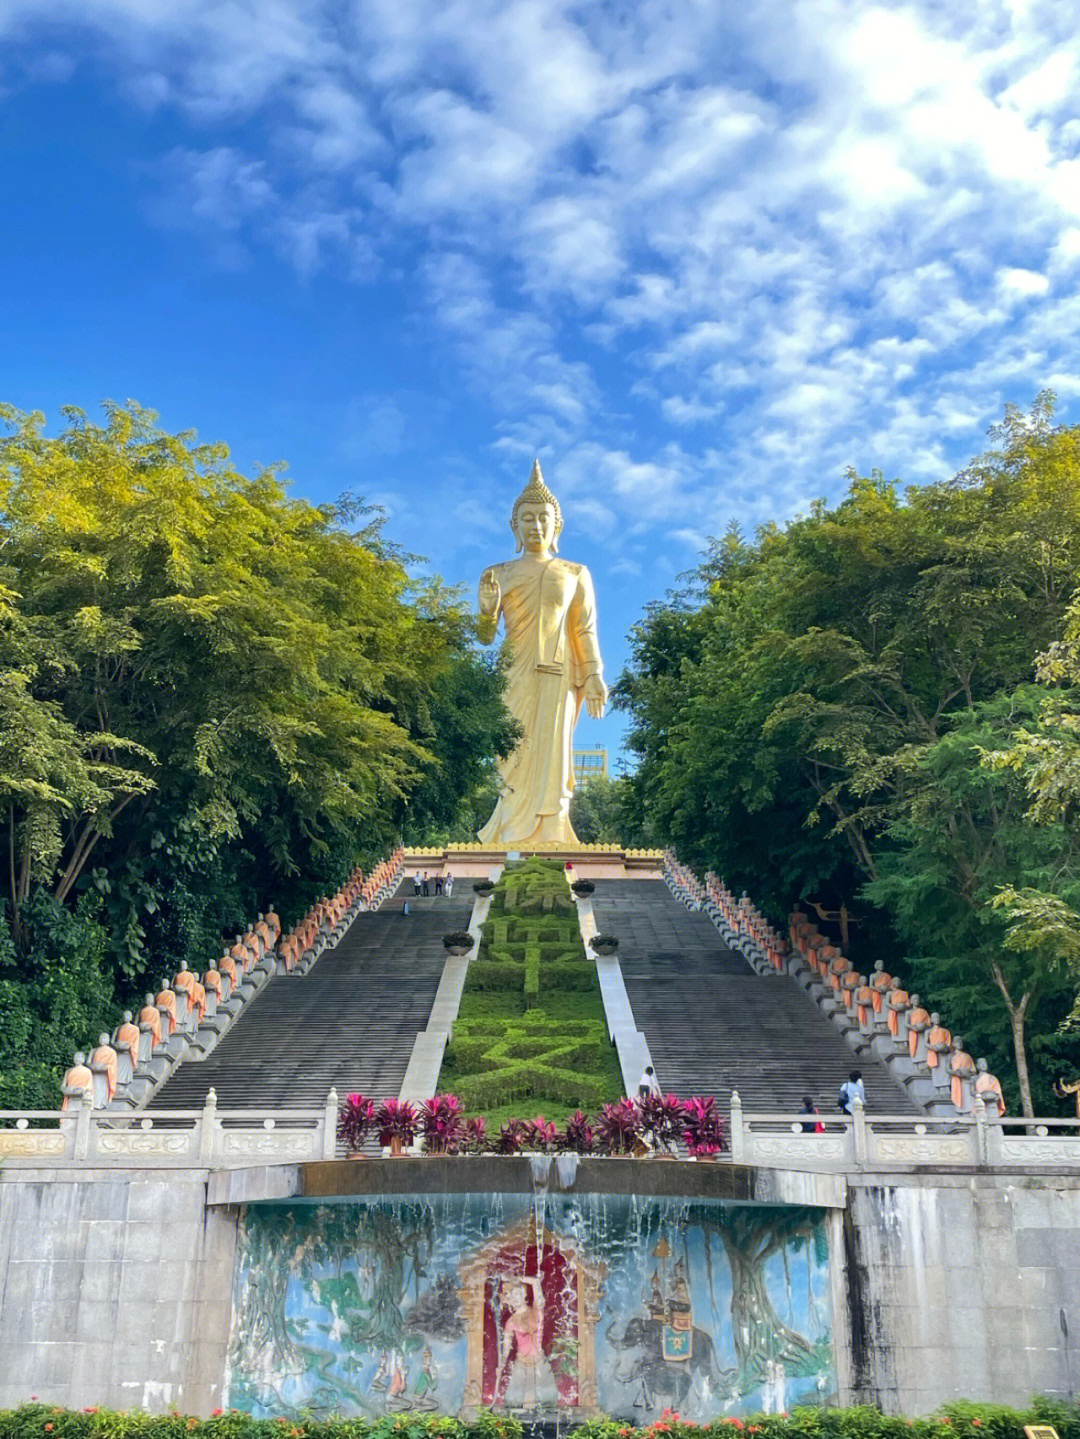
(505, 1052)
(954, 1421)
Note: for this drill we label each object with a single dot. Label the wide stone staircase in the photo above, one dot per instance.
(348, 1024)
(713, 1025)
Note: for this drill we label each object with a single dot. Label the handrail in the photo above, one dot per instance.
(219, 1138)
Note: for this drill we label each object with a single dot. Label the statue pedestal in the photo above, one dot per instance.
(590, 861)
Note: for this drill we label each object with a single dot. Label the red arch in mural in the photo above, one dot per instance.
(558, 1278)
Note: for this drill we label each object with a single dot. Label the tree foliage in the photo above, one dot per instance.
(212, 696)
(813, 714)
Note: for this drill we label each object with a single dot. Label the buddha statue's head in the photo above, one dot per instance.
(536, 519)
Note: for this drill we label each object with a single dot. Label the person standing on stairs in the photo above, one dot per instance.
(448, 885)
(425, 884)
(438, 884)
(648, 1083)
(851, 1090)
(812, 1125)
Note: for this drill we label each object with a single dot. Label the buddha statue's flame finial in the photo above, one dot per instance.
(536, 492)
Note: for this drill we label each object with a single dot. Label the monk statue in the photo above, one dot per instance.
(918, 1026)
(126, 1044)
(961, 1072)
(78, 1081)
(988, 1089)
(549, 611)
(103, 1068)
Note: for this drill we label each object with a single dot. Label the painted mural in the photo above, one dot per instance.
(541, 1307)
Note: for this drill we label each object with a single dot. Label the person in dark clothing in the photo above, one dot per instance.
(811, 1126)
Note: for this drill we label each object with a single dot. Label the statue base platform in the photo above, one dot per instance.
(590, 861)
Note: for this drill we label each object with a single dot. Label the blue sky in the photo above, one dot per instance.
(697, 256)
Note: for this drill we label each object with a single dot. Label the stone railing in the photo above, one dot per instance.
(210, 1138)
(883, 1142)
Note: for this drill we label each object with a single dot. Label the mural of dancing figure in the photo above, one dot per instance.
(525, 1376)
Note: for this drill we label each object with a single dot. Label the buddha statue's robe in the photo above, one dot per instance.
(151, 1015)
(128, 1033)
(938, 1044)
(549, 611)
(79, 1078)
(961, 1068)
(988, 1089)
(104, 1057)
(166, 1000)
(899, 1003)
(918, 1024)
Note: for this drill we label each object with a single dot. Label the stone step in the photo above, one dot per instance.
(349, 1023)
(713, 1025)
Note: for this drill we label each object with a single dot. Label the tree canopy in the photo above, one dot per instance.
(816, 717)
(212, 696)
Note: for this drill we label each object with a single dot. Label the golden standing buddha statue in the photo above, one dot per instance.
(549, 610)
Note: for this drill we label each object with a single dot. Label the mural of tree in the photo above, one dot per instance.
(751, 1236)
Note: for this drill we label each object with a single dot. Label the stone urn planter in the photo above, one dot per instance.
(483, 886)
(583, 888)
(604, 944)
(458, 943)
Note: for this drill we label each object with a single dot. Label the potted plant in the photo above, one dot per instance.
(442, 1124)
(476, 1136)
(483, 886)
(604, 944)
(618, 1127)
(541, 1134)
(395, 1119)
(704, 1129)
(460, 941)
(355, 1119)
(578, 1137)
(663, 1121)
(510, 1137)
(583, 887)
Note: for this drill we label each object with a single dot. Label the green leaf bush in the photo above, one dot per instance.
(506, 1051)
(960, 1420)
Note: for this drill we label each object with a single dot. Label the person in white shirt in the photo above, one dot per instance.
(851, 1090)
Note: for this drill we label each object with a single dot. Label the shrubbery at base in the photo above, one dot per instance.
(961, 1419)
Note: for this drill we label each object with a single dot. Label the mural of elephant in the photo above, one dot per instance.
(658, 1383)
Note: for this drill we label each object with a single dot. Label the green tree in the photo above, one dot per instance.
(212, 695)
(799, 704)
(599, 815)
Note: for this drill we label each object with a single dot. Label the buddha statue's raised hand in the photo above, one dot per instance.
(490, 593)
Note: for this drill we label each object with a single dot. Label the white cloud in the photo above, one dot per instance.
(802, 235)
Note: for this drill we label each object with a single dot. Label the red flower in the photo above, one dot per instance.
(215, 1412)
(47, 1427)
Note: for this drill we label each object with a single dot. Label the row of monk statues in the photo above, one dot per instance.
(875, 1012)
(190, 1014)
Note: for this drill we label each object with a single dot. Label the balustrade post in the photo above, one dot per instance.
(330, 1117)
(208, 1128)
(738, 1135)
(858, 1132)
(82, 1125)
(979, 1135)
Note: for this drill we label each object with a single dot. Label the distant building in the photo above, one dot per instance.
(589, 764)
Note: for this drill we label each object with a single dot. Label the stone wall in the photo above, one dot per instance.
(116, 1286)
(957, 1287)
(115, 1289)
